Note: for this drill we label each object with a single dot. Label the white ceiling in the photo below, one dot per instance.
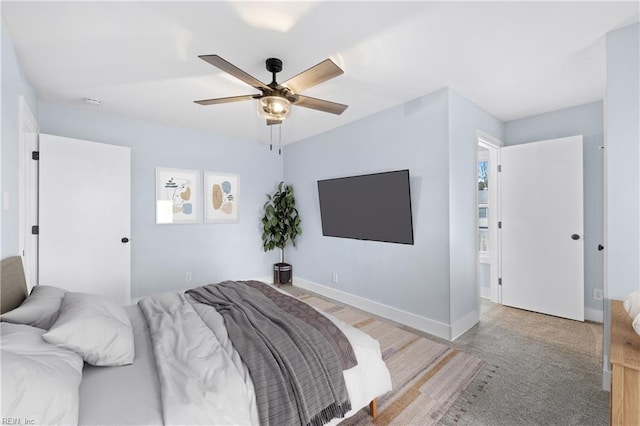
(140, 59)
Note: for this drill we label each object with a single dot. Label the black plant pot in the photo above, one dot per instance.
(282, 273)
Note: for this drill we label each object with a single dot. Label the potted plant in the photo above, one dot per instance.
(280, 224)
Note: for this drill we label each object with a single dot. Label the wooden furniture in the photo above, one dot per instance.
(373, 408)
(624, 356)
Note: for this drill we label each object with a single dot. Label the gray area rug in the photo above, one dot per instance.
(541, 370)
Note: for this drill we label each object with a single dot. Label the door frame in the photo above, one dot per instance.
(28, 192)
(493, 145)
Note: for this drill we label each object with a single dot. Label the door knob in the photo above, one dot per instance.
(575, 236)
(124, 240)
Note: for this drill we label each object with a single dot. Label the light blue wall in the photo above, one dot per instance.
(14, 85)
(586, 120)
(623, 161)
(414, 136)
(622, 174)
(465, 119)
(162, 254)
(435, 138)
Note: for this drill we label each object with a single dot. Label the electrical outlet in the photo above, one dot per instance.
(598, 294)
(334, 277)
(187, 276)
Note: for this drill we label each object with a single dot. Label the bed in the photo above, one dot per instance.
(171, 358)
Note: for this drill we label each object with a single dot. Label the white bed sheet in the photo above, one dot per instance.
(125, 395)
(370, 378)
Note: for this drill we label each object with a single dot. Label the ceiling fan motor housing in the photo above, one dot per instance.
(274, 65)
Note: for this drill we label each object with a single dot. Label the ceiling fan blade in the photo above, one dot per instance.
(272, 122)
(225, 100)
(320, 104)
(229, 68)
(325, 70)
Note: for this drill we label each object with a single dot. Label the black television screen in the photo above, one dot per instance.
(373, 207)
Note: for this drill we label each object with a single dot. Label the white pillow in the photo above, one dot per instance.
(636, 324)
(40, 382)
(40, 309)
(94, 327)
(632, 304)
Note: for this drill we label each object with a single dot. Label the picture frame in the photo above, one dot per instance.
(222, 197)
(178, 196)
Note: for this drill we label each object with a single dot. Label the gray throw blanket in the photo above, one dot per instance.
(306, 313)
(296, 374)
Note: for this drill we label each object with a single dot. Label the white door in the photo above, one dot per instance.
(85, 217)
(542, 227)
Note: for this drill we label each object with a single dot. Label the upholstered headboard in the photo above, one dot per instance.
(13, 286)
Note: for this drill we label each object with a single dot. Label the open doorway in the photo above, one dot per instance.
(488, 160)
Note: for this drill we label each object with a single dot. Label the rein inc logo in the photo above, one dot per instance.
(17, 421)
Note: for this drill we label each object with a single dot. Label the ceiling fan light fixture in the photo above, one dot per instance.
(274, 107)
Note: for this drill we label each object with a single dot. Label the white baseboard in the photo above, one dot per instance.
(461, 326)
(606, 380)
(485, 292)
(418, 322)
(595, 315)
(606, 372)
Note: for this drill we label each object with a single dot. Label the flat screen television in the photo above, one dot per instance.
(374, 207)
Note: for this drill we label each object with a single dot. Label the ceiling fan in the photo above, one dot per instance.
(276, 99)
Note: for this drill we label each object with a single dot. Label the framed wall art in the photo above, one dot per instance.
(178, 196)
(221, 197)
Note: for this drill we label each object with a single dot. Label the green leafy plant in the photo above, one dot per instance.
(281, 221)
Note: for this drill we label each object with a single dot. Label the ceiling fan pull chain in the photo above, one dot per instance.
(271, 138)
(280, 139)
